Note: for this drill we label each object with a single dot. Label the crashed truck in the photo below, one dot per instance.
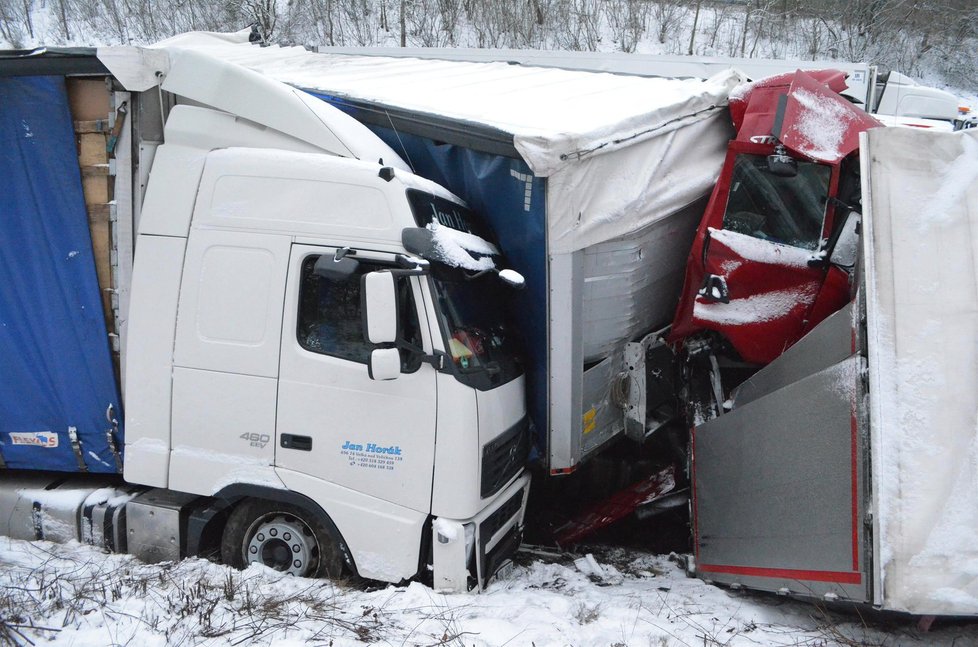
(636, 143)
(223, 243)
(798, 475)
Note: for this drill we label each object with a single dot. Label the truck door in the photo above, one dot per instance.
(759, 255)
(336, 423)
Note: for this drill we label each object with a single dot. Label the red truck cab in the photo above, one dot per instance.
(759, 273)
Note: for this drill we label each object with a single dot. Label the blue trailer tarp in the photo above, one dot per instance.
(56, 374)
(514, 202)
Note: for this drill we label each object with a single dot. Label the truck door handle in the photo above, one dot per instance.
(291, 441)
(715, 289)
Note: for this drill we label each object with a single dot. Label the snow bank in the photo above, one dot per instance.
(75, 595)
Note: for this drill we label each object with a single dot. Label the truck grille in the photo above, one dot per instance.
(497, 519)
(503, 457)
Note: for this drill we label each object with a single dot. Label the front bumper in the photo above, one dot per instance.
(466, 553)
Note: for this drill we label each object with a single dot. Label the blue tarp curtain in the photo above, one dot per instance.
(514, 202)
(55, 363)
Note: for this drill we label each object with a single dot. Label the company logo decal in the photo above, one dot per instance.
(371, 455)
(47, 439)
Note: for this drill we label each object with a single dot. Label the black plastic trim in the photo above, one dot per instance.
(301, 443)
(51, 61)
(198, 521)
(459, 132)
(504, 457)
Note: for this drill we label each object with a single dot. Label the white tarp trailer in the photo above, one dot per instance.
(848, 467)
(609, 172)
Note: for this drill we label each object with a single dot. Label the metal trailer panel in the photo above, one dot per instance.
(920, 247)
(829, 343)
(778, 490)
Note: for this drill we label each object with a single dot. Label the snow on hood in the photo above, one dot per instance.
(824, 124)
(761, 251)
(455, 248)
(756, 308)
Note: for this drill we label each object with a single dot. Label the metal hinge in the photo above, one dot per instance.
(76, 448)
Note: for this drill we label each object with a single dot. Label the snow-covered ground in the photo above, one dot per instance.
(73, 594)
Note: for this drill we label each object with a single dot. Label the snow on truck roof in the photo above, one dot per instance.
(553, 116)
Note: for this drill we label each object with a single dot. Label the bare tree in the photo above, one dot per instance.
(668, 17)
(578, 27)
(627, 20)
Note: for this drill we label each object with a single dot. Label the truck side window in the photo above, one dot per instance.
(787, 210)
(329, 316)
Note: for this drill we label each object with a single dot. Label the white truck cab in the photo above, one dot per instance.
(302, 389)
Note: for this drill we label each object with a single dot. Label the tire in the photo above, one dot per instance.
(281, 536)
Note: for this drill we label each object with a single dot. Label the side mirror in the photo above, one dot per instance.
(846, 249)
(378, 307)
(715, 289)
(384, 364)
(513, 278)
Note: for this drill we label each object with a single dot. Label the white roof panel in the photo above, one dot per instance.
(554, 115)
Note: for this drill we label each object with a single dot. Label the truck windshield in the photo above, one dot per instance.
(472, 317)
(787, 210)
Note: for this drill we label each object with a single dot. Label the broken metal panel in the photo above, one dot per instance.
(829, 343)
(778, 496)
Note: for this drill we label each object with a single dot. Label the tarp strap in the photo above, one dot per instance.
(110, 436)
(76, 448)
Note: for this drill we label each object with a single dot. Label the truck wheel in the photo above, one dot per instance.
(280, 536)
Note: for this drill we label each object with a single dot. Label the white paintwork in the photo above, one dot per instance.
(302, 195)
(447, 575)
(384, 538)
(920, 197)
(376, 437)
(904, 97)
(916, 122)
(380, 301)
(455, 492)
(223, 431)
(171, 191)
(135, 68)
(385, 364)
(184, 66)
(448, 553)
(235, 199)
(149, 362)
(231, 302)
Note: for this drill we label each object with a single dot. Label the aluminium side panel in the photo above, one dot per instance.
(778, 490)
(920, 245)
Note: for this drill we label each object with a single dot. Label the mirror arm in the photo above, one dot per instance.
(472, 277)
(437, 359)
